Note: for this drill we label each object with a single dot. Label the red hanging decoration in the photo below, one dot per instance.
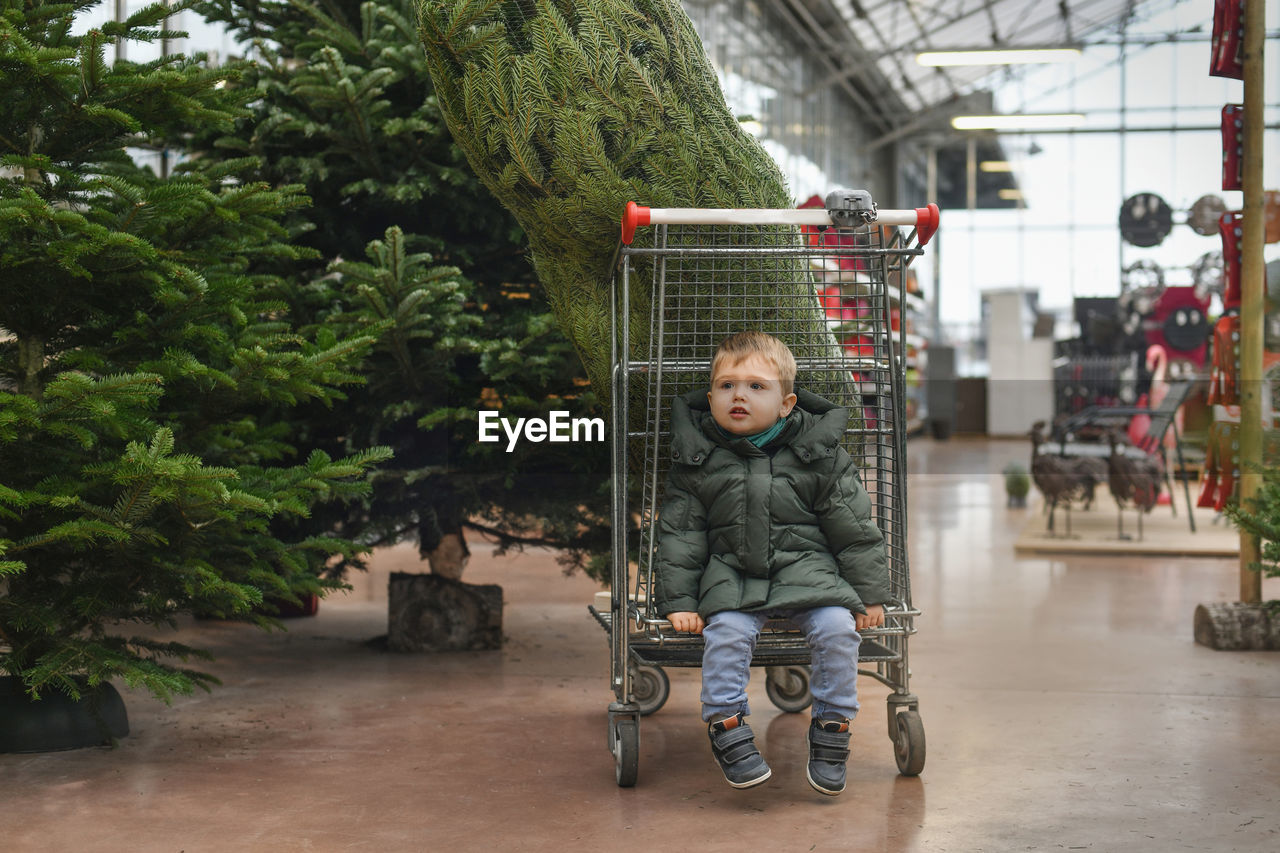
(1231, 227)
(1226, 56)
(1233, 147)
(1225, 372)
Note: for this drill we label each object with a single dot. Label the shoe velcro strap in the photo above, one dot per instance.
(829, 746)
(839, 739)
(735, 745)
(725, 740)
(737, 753)
(826, 753)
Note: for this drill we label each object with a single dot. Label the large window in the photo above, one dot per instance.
(1152, 114)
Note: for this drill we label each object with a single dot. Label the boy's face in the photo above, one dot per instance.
(746, 398)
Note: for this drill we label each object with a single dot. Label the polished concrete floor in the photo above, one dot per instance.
(1065, 703)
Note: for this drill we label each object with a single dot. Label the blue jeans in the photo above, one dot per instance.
(731, 636)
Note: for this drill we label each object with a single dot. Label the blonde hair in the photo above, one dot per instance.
(742, 345)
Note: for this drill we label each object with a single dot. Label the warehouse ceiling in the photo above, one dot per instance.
(902, 28)
(870, 48)
(871, 45)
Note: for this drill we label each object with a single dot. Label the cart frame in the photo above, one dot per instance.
(849, 253)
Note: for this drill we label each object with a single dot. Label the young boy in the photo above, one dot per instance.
(764, 515)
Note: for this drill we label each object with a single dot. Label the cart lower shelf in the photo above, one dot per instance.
(786, 660)
(775, 648)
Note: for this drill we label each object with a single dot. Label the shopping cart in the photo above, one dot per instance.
(825, 281)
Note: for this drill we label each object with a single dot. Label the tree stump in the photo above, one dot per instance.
(431, 613)
(1233, 626)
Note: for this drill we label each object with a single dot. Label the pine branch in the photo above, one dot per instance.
(509, 539)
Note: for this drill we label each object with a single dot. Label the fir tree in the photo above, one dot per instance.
(411, 247)
(567, 109)
(343, 106)
(143, 353)
(1261, 516)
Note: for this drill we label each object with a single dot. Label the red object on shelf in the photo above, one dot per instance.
(1221, 465)
(1223, 376)
(829, 299)
(1231, 227)
(1226, 51)
(1233, 147)
(1179, 323)
(860, 345)
(840, 307)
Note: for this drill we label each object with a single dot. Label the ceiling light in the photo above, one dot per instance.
(996, 166)
(1018, 121)
(998, 57)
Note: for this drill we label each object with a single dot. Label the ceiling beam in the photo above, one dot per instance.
(808, 30)
(1067, 131)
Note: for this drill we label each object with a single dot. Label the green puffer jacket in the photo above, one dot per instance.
(740, 529)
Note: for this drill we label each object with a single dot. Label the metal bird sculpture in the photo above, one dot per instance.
(1091, 470)
(1134, 480)
(1063, 479)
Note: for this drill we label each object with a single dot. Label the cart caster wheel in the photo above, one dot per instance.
(908, 743)
(788, 688)
(650, 687)
(625, 733)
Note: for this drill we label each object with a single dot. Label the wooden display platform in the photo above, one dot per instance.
(1094, 531)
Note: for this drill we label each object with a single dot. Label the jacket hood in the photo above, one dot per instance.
(814, 428)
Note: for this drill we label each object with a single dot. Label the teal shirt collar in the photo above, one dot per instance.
(761, 438)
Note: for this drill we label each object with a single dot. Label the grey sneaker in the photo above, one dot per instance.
(828, 754)
(734, 746)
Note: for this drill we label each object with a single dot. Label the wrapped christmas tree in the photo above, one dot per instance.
(567, 109)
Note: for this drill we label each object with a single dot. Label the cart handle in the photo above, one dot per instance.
(924, 219)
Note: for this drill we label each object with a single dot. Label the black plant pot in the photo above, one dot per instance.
(56, 721)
